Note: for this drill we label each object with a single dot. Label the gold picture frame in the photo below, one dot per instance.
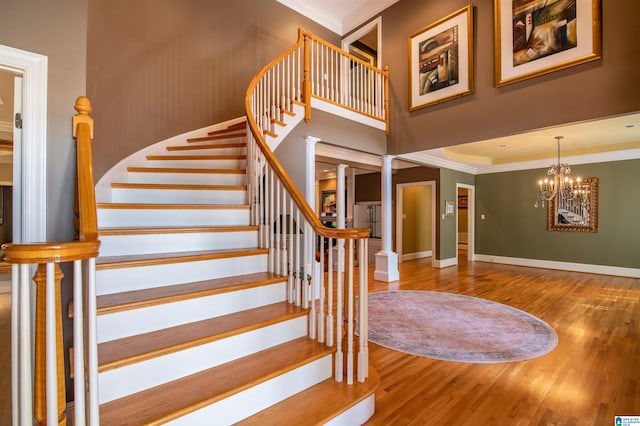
(588, 212)
(536, 37)
(441, 60)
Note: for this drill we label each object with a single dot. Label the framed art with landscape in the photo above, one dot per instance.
(441, 60)
(535, 37)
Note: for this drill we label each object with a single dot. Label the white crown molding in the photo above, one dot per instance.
(434, 157)
(315, 13)
(364, 13)
(333, 151)
(563, 266)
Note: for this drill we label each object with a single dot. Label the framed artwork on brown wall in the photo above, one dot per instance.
(535, 37)
(441, 60)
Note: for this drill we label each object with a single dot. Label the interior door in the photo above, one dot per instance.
(17, 159)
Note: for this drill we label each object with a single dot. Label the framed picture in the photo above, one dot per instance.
(535, 37)
(441, 60)
(328, 203)
(463, 201)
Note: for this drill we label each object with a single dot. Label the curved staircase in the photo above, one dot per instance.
(192, 329)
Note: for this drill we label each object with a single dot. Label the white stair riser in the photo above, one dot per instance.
(137, 321)
(178, 196)
(120, 245)
(117, 218)
(236, 139)
(196, 163)
(356, 415)
(209, 151)
(188, 178)
(109, 281)
(259, 397)
(137, 377)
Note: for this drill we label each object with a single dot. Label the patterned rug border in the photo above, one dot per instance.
(538, 325)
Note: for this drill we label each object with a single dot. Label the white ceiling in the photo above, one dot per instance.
(340, 16)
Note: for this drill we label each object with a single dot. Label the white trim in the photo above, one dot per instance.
(435, 157)
(363, 12)
(6, 127)
(34, 140)
(340, 111)
(364, 30)
(315, 13)
(444, 263)
(346, 154)
(417, 255)
(563, 266)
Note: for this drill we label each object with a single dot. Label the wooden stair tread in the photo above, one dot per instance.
(219, 136)
(197, 157)
(207, 146)
(171, 400)
(112, 262)
(233, 128)
(174, 230)
(141, 347)
(184, 170)
(178, 186)
(321, 403)
(162, 206)
(117, 302)
(270, 133)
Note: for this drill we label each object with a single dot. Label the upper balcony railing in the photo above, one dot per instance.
(289, 227)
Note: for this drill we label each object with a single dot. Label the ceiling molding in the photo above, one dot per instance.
(434, 158)
(363, 13)
(352, 156)
(315, 13)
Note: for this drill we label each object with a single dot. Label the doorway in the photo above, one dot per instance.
(465, 224)
(415, 225)
(366, 43)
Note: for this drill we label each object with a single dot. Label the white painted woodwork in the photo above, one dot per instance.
(146, 217)
(164, 241)
(117, 280)
(136, 377)
(193, 161)
(357, 415)
(186, 178)
(257, 398)
(203, 149)
(179, 195)
(131, 322)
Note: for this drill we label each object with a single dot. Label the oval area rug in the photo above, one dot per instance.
(453, 327)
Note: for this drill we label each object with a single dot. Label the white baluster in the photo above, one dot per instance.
(78, 345)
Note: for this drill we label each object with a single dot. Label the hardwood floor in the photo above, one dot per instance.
(591, 376)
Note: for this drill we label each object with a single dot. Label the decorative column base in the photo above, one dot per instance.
(386, 267)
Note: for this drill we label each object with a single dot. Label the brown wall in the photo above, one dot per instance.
(159, 68)
(602, 88)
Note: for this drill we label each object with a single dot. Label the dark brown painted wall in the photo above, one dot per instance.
(597, 89)
(160, 68)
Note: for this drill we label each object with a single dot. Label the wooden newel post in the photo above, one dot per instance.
(306, 77)
(86, 220)
(40, 373)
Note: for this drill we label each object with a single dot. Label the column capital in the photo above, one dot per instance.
(311, 140)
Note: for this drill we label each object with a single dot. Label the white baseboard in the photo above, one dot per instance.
(444, 263)
(563, 266)
(418, 255)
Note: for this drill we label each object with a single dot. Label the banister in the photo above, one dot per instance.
(38, 253)
(85, 197)
(301, 203)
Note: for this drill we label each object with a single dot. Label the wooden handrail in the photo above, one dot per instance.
(37, 253)
(86, 196)
(301, 203)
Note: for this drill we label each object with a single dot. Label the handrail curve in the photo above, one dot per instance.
(311, 217)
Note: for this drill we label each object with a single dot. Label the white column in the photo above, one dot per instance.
(386, 260)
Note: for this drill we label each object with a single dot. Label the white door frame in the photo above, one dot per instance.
(366, 30)
(30, 170)
(471, 208)
(399, 219)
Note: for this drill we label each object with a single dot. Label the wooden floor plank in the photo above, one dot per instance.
(164, 403)
(591, 376)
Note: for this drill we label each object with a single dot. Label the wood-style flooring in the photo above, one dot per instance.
(591, 376)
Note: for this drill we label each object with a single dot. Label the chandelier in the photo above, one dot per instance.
(560, 184)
